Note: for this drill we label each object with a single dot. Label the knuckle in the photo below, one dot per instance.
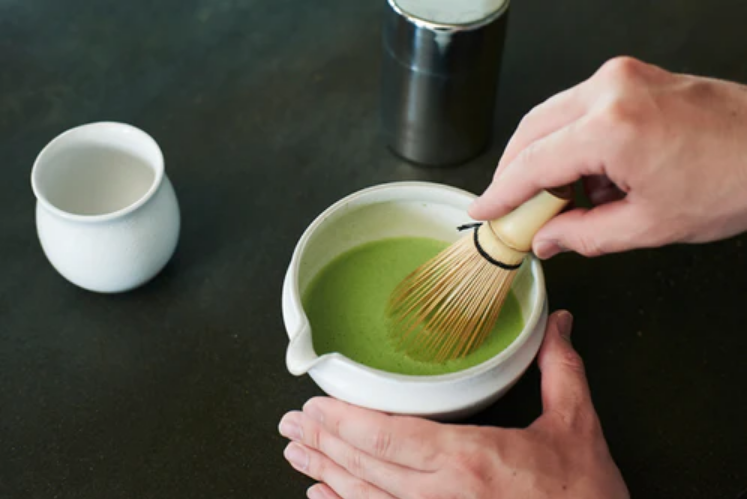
(589, 246)
(431, 456)
(623, 118)
(701, 91)
(475, 463)
(581, 423)
(382, 443)
(626, 118)
(572, 361)
(622, 68)
(625, 106)
(431, 459)
(354, 462)
(314, 438)
(361, 490)
(336, 423)
(529, 154)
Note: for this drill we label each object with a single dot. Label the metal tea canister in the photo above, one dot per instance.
(440, 70)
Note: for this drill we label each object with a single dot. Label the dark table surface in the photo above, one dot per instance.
(267, 112)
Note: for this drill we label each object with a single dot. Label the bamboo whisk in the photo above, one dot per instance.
(447, 307)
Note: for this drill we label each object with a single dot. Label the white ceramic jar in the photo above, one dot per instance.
(107, 216)
(391, 210)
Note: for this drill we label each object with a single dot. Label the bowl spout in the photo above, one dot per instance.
(300, 355)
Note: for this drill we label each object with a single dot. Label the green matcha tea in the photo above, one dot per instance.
(346, 305)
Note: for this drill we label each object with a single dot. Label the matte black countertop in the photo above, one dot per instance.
(267, 112)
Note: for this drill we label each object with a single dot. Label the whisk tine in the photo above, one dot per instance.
(475, 317)
(488, 314)
(447, 307)
(451, 292)
(439, 300)
(454, 320)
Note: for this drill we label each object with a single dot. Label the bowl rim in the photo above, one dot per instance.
(491, 363)
(104, 128)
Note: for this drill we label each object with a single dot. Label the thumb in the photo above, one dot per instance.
(608, 228)
(565, 391)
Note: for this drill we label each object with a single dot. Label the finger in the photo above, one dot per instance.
(321, 491)
(393, 478)
(560, 158)
(554, 113)
(565, 391)
(319, 467)
(610, 228)
(408, 441)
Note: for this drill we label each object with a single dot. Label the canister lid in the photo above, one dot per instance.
(451, 12)
(444, 36)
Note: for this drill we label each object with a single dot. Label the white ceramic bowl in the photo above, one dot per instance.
(107, 216)
(391, 210)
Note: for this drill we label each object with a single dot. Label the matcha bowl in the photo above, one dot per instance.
(383, 212)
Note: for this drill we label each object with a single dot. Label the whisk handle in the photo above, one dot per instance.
(517, 229)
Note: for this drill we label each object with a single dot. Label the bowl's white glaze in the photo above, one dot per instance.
(107, 216)
(390, 210)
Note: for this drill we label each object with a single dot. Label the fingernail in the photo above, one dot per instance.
(313, 412)
(565, 325)
(315, 492)
(290, 429)
(297, 456)
(548, 249)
